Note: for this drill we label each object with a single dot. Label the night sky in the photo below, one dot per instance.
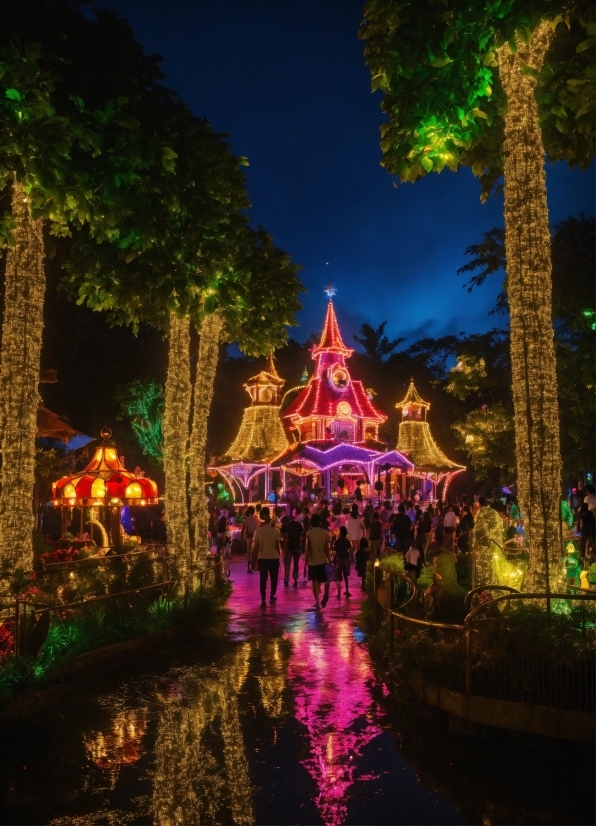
(288, 82)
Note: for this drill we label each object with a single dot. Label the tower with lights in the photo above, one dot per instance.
(416, 441)
(333, 407)
(261, 435)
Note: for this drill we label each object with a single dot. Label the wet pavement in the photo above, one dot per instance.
(282, 721)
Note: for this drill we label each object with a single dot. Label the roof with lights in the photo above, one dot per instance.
(331, 392)
(105, 481)
(413, 397)
(415, 438)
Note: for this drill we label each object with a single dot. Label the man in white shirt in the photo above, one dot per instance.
(413, 561)
(267, 543)
(450, 519)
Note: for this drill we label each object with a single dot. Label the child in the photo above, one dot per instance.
(362, 555)
(413, 561)
(342, 552)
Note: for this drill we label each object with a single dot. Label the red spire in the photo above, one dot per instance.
(331, 340)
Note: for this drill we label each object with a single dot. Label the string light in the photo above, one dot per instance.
(176, 433)
(260, 437)
(492, 566)
(211, 336)
(416, 440)
(19, 378)
(529, 288)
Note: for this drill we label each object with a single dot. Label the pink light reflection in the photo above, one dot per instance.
(330, 674)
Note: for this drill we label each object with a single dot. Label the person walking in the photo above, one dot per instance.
(249, 527)
(342, 552)
(362, 557)
(354, 528)
(401, 528)
(413, 561)
(466, 526)
(292, 543)
(267, 544)
(375, 535)
(317, 556)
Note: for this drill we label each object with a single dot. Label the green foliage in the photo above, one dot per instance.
(573, 265)
(142, 402)
(466, 377)
(258, 295)
(101, 626)
(435, 63)
(487, 435)
(72, 161)
(375, 343)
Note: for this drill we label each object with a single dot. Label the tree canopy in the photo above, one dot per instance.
(435, 62)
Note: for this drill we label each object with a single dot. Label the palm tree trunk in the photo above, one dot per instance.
(176, 433)
(211, 330)
(19, 379)
(529, 288)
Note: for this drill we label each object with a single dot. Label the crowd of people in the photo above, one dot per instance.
(322, 542)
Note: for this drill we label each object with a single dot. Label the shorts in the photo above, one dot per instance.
(317, 572)
(343, 567)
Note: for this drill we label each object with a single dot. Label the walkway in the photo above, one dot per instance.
(280, 723)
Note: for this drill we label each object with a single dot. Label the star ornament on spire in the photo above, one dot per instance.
(330, 290)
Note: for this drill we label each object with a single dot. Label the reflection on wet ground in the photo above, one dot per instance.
(281, 722)
(281, 725)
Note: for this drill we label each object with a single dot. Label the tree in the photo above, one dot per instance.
(489, 85)
(572, 247)
(142, 402)
(375, 343)
(51, 164)
(180, 244)
(256, 317)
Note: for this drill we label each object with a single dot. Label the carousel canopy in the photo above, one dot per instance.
(105, 481)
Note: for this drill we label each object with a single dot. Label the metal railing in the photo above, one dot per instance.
(481, 656)
(21, 609)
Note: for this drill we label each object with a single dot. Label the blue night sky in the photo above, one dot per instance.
(287, 81)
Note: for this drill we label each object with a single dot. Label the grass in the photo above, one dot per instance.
(101, 626)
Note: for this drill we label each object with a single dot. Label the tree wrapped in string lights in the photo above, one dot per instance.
(254, 310)
(491, 85)
(54, 162)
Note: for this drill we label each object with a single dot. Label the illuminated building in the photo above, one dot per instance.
(102, 489)
(432, 467)
(332, 423)
(260, 439)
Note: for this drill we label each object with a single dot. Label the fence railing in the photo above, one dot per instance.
(20, 611)
(488, 654)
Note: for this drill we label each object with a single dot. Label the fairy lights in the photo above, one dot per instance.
(330, 390)
(529, 288)
(416, 440)
(19, 377)
(176, 433)
(211, 336)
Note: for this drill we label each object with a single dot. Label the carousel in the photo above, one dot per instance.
(97, 495)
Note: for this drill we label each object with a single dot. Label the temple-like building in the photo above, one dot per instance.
(330, 435)
(416, 441)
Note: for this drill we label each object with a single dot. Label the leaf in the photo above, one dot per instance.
(426, 164)
(13, 94)
(585, 44)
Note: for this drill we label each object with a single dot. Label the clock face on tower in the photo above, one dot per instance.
(340, 377)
